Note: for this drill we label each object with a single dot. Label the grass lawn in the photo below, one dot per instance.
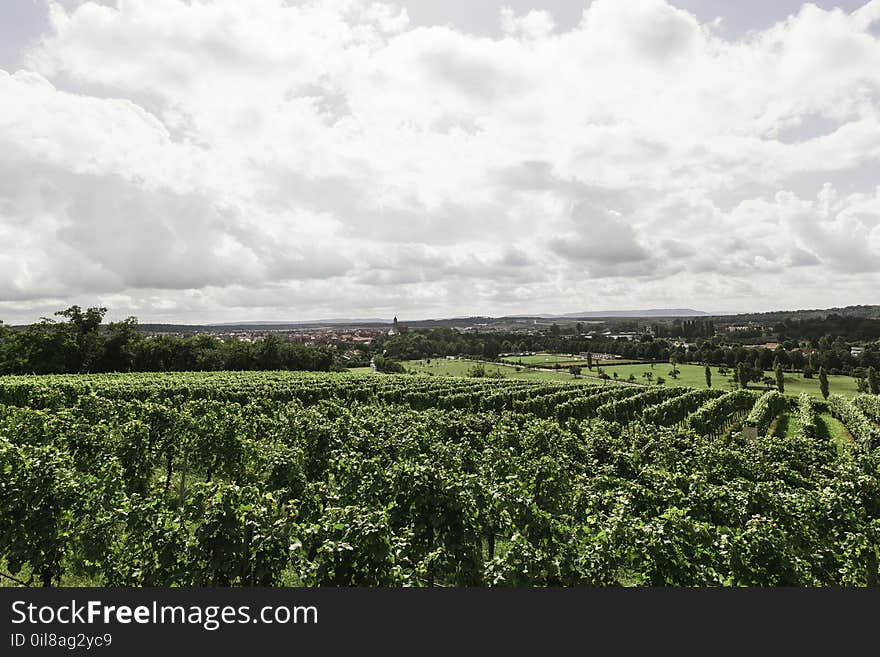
(564, 360)
(830, 427)
(784, 426)
(694, 376)
(795, 384)
(691, 376)
(540, 359)
(444, 367)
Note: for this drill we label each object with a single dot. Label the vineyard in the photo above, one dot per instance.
(280, 478)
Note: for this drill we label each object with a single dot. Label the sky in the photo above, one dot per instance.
(242, 160)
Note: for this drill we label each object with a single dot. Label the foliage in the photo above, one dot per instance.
(716, 414)
(854, 418)
(807, 415)
(768, 406)
(83, 344)
(247, 479)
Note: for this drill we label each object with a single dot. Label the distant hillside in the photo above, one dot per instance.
(528, 321)
(308, 322)
(774, 317)
(662, 312)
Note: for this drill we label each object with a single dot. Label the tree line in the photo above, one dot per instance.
(79, 342)
(829, 352)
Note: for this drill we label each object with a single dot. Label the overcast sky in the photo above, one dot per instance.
(196, 160)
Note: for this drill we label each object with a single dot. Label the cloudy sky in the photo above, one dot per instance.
(218, 160)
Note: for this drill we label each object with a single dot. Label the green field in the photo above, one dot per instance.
(549, 360)
(694, 376)
(784, 426)
(540, 359)
(444, 367)
(830, 427)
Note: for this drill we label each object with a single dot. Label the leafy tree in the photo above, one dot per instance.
(86, 330)
(823, 382)
(708, 377)
(120, 346)
(873, 381)
(389, 366)
(780, 378)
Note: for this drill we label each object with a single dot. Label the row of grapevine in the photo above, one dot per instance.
(190, 486)
(855, 420)
(546, 405)
(241, 387)
(584, 407)
(627, 409)
(716, 415)
(869, 405)
(676, 410)
(768, 407)
(807, 415)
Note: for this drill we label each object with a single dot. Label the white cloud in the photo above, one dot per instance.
(534, 25)
(303, 158)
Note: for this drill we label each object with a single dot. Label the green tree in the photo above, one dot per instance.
(780, 377)
(873, 381)
(823, 382)
(742, 375)
(120, 345)
(85, 328)
(389, 366)
(708, 377)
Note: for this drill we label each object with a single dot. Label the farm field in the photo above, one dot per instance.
(694, 376)
(284, 478)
